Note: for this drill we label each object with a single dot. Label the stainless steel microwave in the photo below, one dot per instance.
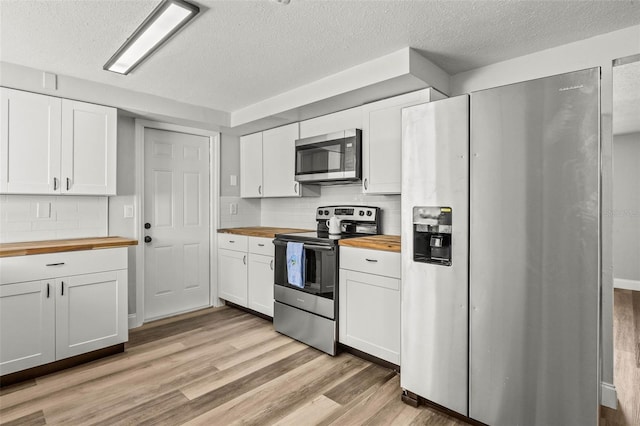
(329, 159)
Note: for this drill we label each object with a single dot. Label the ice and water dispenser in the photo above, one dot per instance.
(432, 235)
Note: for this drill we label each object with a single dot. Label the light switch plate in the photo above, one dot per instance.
(233, 180)
(128, 211)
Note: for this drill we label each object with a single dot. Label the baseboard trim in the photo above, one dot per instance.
(608, 395)
(626, 284)
(133, 321)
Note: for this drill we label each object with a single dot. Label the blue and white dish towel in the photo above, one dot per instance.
(295, 264)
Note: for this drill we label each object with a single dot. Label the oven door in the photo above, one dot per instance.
(320, 269)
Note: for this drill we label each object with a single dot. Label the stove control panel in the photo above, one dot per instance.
(352, 213)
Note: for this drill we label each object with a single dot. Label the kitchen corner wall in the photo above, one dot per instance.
(301, 212)
(247, 210)
(125, 187)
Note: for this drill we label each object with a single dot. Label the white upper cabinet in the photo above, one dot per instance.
(278, 161)
(267, 163)
(382, 141)
(251, 166)
(29, 143)
(89, 148)
(56, 146)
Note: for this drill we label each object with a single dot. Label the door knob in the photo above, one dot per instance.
(147, 239)
(147, 225)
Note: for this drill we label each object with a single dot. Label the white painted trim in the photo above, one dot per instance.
(214, 214)
(133, 321)
(608, 395)
(626, 284)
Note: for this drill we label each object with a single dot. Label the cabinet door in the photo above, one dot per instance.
(278, 161)
(232, 276)
(88, 148)
(91, 312)
(382, 142)
(27, 333)
(29, 143)
(370, 314)
(251, 166)
(260, 286)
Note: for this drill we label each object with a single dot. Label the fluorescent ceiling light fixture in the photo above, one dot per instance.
(165, 20)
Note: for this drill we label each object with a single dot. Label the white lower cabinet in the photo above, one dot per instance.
(54, 306)
(245, 271)
(232, 278)
(369, 302)
(27, 326)
(260, 283)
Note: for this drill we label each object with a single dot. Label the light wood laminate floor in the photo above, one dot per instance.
(626, 352)
(215, 367)
(224, 366)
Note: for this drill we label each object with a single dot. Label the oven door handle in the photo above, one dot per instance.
(307, 246)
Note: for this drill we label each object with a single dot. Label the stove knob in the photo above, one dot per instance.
(320, 212)
(326, 212)
(369, 213)
(361, 213)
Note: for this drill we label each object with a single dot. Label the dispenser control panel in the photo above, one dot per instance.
(432, 228)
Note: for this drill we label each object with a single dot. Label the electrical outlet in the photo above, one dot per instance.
(233, 208)
(43, 210)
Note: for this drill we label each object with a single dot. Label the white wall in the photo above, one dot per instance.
(301, 212)
(626, 206)
(125, 187)
(598, 51)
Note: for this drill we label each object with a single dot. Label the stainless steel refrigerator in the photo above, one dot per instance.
(501, 252)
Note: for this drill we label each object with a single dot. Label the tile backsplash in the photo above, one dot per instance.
(49, 217)
(247, 212)
(301, 212)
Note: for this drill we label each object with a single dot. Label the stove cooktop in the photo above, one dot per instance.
(316, 237)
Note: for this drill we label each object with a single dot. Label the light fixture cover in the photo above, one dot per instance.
(165, 20)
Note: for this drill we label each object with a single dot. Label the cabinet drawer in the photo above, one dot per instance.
(233, 242)
(371, 261)
(263, 246)
(44, 266)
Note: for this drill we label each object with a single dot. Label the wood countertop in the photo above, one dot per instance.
(375, 242)
(262, 231)
(57, 246)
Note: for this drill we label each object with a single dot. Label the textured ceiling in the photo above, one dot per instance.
(237, 53)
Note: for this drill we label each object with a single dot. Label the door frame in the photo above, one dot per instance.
(137, 319)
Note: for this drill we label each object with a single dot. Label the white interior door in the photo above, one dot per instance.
(176, 209)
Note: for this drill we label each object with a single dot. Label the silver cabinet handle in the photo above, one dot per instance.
(55, 183)
(244, 259)
(62, 289)
(48, 288)
(366, 184)
(271, 264)
(295, 187)
(260, 245)
(231, 241)
(55, 264)
(68, 183)
(260, 189)
(371, 260)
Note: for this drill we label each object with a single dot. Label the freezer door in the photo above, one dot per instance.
(435, 175)
(534, 261)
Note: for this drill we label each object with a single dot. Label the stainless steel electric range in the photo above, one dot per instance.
(309, 313)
